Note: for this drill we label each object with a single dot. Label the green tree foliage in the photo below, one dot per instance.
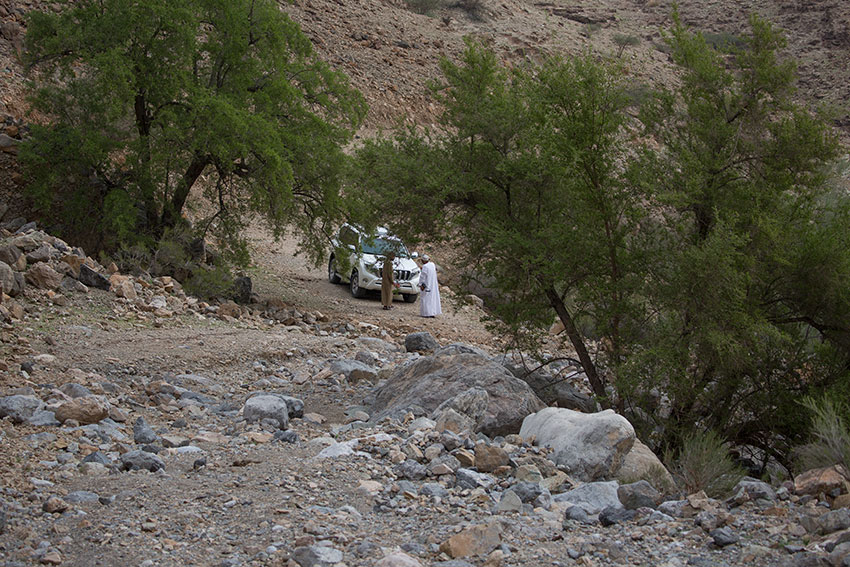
(750, 300)
(146, 98)
(525, 176)
(712, 267)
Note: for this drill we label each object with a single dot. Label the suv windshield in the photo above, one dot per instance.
(380, 246)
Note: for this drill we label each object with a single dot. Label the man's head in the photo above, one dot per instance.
(425, 258)
(390, 255)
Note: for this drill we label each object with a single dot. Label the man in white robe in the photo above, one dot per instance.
(429, 297)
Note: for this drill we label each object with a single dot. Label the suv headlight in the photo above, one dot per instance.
(414, 273)
(372, 268)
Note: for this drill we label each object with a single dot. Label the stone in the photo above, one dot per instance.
(509, 502)
(723, 537)
(354, 370)
(429, 381)
(822, 481)
(43, 276)
(40, 254)
(589, 446)
(54, 505)
(615, 515)
(420, 342)
(475, 540)
(82, 497)
(488, 457)
(13, 256)
(640, 463)
(398, 559)
(451, 420)
(833, 521)
(317, 556)
(528, 473)
(411, 470)
(20, 408)
(86, 410)
(265, 406)
(123, 287)
(592, 496)
(91, 278)
(229, 309)
(73, 390)
(143, 434)
(638, 494)
(7, 279)
(752, 489)
(137, 460)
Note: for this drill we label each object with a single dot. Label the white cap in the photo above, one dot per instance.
(426, 258)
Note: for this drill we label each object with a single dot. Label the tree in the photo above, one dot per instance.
(145, 98)
(526, 178)
(749, 312)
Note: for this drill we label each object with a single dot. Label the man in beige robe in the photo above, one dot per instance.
(387, 281)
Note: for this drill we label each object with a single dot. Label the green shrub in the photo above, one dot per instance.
(209, 283)
(724, 41)
(703, 463)
(622, 41)
(830, 443)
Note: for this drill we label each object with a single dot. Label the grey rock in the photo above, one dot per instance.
(449, 461)
(97, 457)
(528, 491)
(638, 494)
(143, 434)
(411, 470)
(509, 502)
(589, 446)
(429, 381)
(420, 342)
(833, 521)
(43, 418)
(82, 497)
(753, 489)
(467, 478)
(136, 460)
(723, 537)
(265, 406)
(674, 508)
(434, 489)
(20, 408)
(471, 403)
(316, 556)
(366, 357)
(452, 563)
(615, 515)
(73, 390)
(578, 514)
(592, 496)
(287, 436)
(354, 370)
(7, 278)
(92, 278)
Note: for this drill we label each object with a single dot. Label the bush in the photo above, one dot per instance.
(209, 283)
(622, 41)
(704, 463)
(830, 443)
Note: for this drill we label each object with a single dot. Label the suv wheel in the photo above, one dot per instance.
(356, 290)
(333, 277)
(409, 297)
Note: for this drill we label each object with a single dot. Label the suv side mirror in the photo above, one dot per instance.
(415, 255)
(352, 248)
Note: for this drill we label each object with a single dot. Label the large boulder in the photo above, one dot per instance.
(92, 278)
(43, 276)
(429, 381)
(7, 278)
(420, 342)
(642, 464)
(590, 446)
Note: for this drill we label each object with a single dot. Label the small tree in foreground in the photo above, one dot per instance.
(146, 98)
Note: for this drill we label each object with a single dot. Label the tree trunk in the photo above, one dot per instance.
(171, 211)
(577, 341)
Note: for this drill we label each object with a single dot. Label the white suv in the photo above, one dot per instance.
(357, 257)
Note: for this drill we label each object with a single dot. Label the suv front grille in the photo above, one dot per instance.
(401, 275)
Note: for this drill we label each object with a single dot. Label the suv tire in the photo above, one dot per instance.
(409, 297)
(354, 286)
(333, 277)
